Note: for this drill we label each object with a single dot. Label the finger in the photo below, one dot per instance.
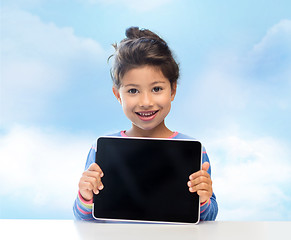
(95, 168)
(201, 186)
(94, 177)
(86, 186)
(98, 185)
(198, 180)
(93, 174)
(198, 174)
(94, 184)
(205, 166)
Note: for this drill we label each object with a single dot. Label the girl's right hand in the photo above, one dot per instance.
(90, 182)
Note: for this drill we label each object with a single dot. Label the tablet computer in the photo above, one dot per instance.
(145, 180)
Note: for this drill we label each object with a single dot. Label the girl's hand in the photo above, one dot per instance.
(201, 183)
(90, 182)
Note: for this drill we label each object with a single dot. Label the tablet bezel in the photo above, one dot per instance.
(148, 221)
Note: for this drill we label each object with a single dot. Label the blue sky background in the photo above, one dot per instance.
(234, 95)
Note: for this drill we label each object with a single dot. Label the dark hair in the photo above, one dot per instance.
(143, 47)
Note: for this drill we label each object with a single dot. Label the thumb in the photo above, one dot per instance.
(205, 166)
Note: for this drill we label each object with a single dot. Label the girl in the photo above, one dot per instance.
(144, 77)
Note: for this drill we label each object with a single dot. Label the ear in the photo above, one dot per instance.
(173, 91)
(116, 93)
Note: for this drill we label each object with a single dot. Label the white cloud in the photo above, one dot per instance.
(42, 168)
(219, 95)
(270, 59)
(251, 177)
(277, 36)
(38, 60)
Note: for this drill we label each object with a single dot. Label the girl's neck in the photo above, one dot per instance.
(160, 131)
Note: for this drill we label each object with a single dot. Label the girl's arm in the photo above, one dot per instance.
(83, 208)
(208, 209)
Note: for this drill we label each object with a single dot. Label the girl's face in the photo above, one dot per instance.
(145, 95)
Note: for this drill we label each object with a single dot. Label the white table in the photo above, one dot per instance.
(70, 230)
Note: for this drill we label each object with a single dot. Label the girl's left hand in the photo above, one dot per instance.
(201, 183)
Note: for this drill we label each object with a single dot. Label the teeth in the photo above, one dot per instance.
(146, 114)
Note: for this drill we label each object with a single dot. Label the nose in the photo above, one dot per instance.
(146, 100)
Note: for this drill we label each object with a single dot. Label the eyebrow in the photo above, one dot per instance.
(158, 82)
(130, 85)
(136, 85)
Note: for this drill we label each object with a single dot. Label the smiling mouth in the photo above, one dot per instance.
(146, 114)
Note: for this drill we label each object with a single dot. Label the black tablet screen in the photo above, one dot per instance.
(146, 179)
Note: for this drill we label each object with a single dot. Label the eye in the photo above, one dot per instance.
(157, 89)
(133, 91)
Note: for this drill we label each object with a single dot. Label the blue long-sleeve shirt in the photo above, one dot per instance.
(83, 209)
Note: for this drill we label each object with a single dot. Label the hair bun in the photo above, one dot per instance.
(132, 33)
(135, 33)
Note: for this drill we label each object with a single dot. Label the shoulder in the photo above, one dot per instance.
(94, 144)
(182, 136)
(117, 134)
